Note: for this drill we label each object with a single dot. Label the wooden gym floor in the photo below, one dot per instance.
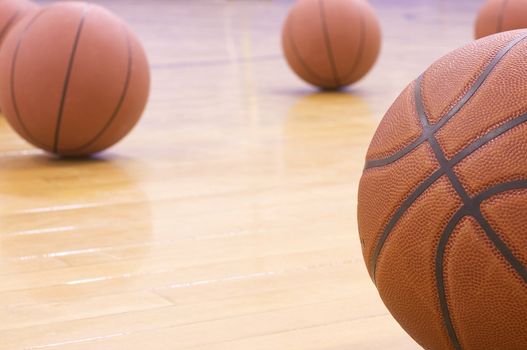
(227, 219)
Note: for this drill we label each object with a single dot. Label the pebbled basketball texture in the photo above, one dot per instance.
(331, 43)
(496, 16)
(74, 79)
(443, 200)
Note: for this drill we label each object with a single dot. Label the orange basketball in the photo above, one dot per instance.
(497, 16)
(11, 12)
(443, 200)
(331, 43)
(73, 79)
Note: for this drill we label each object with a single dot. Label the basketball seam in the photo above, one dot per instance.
(360, 52)
(440, 281)
(501, 14)
(9, 23)
(436, 175)
(429, 131)
(29, 136)
(299, 57)
(119, 103)
(67, 78)
(327, 42)
(470, 206)
(453, 111)
(473, 210)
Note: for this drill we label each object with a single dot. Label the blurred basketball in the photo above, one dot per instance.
(331, 43)
(74, 79)
(11, 12)
(443, 197)
(497, 16)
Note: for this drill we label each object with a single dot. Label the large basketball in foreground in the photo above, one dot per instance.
(73, 79)
(443, 200)
(496, 16)
(331, 43)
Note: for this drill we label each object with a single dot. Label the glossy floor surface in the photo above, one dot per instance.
(227, 219)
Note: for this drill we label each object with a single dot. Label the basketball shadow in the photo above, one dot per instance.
(327, 128)
(67, 213)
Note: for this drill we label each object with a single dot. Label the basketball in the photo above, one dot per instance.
(11, 12)
(497, 16)
(73, 79)
(443, 197)
(331, 43)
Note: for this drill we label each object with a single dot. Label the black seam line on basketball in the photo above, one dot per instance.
(300, 59)
(471, 209)
(411, 146)
(503, 187)
(453, 111)
(447, 168)
(327, 41)
(501, 14)
(407, 203)
(67, 78)
(436, 175)
(13, 80)
(449, 165)
(119, 104)
(360, 51)
(500, 245)
(443, 242)
(511, 124)
(439, 267)
(9, 23)
(419, 106)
